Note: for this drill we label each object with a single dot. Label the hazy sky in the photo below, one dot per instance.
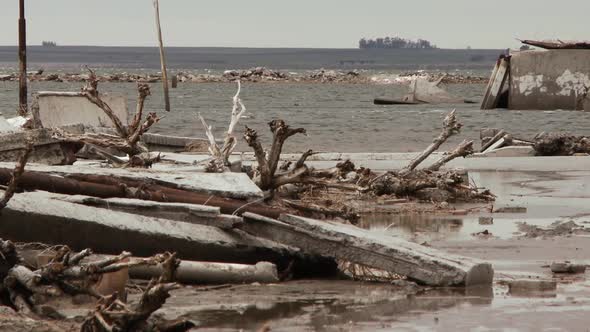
(296, 23)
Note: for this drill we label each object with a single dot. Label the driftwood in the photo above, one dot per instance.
(18, 171)
(65, 274)
(110, 186)
(128, 137)
(560, 144)
(114, 315)
(265, 174)
(220, 156)
(306, 190)
(430, 183)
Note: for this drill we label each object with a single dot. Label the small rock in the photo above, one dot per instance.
(531, 285)
(486, 220)
(567, 267)
(511, 209)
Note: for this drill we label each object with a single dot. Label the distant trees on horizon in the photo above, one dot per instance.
(395, 43)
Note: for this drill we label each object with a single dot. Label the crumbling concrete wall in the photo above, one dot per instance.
(59, 110)
(549, 80)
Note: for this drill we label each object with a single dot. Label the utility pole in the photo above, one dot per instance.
(22, 57)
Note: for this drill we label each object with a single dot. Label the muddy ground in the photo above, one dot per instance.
(327, 305)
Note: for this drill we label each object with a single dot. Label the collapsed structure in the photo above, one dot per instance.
(557, 77)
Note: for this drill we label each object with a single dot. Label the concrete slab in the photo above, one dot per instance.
(58, 110)
(234, 185)
(508, 151)
(37, 217)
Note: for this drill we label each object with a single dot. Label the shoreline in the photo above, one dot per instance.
(259, 75)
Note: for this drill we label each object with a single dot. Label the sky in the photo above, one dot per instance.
(296, 23)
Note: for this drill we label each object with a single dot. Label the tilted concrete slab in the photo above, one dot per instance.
(58, 109)
(387, 253)
(37, 217)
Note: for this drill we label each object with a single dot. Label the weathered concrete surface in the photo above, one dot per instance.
(167, 143)
(387, 253)
(508, 151)
(190, 213)
(234, 185)
(47, 149)
(549, 80)
(35, 217)
(55, 111)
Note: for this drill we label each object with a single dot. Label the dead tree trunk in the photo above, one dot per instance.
(18, 171)
(127, 139)
(265, 176)
(220, 156)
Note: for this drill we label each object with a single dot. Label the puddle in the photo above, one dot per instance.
(426, 228)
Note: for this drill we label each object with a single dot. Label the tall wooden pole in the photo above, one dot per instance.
(22, 57)
(162, 56)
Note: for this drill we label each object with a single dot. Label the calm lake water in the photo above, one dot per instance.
(338, 117)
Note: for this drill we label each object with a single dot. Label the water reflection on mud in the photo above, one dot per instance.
(352, 304)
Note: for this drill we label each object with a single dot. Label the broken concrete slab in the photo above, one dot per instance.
(190, 213)
(352, 244)
(508, 151)
(47, 150)
(57, 109)
(233, 185)
(36, 217)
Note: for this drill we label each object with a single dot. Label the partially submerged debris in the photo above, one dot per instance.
(423, 92)
(127, 139)
(567, 267)
(561, 144)
(558, 228)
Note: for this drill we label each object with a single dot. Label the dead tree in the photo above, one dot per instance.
(114, 315)
(18, 171)
(430, 183)
(128, 137)
(265, 175)
(220, 156)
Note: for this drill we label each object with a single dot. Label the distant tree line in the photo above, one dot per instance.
(395, 42)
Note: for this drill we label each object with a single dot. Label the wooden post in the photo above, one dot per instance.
(162, 56)
(22, 57)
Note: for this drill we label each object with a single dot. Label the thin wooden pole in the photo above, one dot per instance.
(22, 57)
(162, 56)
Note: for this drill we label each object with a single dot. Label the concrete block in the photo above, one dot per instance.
(59, 110)
(509, 151)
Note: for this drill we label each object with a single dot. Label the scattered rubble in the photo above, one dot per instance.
(496, 142)
(558, 228)
(259, 74)
(567, 267)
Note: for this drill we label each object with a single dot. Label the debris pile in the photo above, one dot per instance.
(499, 143)
(255, 74)
(443, 77)
(250, 220)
